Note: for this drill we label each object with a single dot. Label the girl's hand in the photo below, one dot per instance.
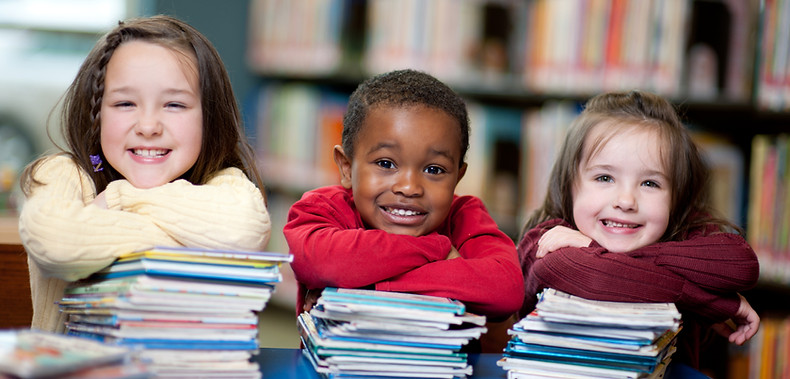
(453, 253)
(746, 323)
(559, 237)
(100, 201)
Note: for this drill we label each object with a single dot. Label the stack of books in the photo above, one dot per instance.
(366, 333)
(575, 337)
(190, 312)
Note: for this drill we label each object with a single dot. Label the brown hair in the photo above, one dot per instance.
(689, 173)
(224, 144)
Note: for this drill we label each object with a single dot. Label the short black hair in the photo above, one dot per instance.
(402, 88)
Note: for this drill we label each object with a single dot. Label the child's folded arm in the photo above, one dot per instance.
(228, 212)
(490, 286)
(719, 261)
(67, 236)
(331, 250)
(618, 277)
(487, 276)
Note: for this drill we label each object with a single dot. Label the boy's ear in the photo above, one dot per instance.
(461, 172)
(343, 163)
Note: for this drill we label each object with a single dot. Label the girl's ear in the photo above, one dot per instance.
(344, 165)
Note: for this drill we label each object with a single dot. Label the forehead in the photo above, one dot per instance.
(141, 56)
(417, 124)
(600, 137)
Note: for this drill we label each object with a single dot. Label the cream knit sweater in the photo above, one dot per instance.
(68, 238)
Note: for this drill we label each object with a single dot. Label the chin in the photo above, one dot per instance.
(617, 248)
(404, 231)
(146, 184)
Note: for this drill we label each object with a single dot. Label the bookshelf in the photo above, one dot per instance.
(525, 68)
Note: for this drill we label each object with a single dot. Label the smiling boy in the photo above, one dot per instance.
(394, 223)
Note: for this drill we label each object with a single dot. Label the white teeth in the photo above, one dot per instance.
(618, 225)
(149, 153)
(402, 212)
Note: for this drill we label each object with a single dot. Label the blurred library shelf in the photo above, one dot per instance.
(525, 69)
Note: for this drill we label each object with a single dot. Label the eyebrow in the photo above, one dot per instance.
(381, 146)
(443, 153)
(611, 168)
(169, 91)
(388, 145)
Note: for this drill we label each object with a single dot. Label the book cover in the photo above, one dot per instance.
(392, 299)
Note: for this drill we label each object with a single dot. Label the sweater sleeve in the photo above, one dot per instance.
(228, 212)
(594, 273)
(331, 247)
(486, 278)
(716, 261)
(70, 238)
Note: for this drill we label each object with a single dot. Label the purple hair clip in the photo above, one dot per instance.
(96, 162)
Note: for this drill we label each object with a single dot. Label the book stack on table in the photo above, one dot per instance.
(190, 312)
(578, 338)
(366, 333)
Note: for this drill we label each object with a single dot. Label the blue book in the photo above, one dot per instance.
(557, 354)
(190, 270)
(393, 299)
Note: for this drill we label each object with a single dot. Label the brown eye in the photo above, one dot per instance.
(650, 183)
(604, 178)
(385, 164)
(435, 170)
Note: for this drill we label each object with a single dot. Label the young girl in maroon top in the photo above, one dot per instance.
(394, 223)
(626, 219)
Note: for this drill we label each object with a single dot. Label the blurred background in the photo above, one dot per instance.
(525, 68)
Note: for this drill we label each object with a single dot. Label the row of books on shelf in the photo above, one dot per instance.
(767, 354)
(588, 46)
(773, 77)
(167, 312)
(296, 37)
(670, 47)
(768, 228)
(294, 129)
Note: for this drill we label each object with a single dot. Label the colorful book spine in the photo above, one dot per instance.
(769, 206)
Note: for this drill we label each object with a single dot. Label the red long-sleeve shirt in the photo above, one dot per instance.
(333, 248)
(701, 275)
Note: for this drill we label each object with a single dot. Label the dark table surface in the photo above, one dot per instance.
(290, 363)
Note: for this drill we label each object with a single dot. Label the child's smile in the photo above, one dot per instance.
(405, 168)
(149, 153)
(404, 215)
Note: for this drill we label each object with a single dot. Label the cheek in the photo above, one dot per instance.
(108, 137)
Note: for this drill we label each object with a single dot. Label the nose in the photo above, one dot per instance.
(148, 124)
(626, 200)
(408, 183)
